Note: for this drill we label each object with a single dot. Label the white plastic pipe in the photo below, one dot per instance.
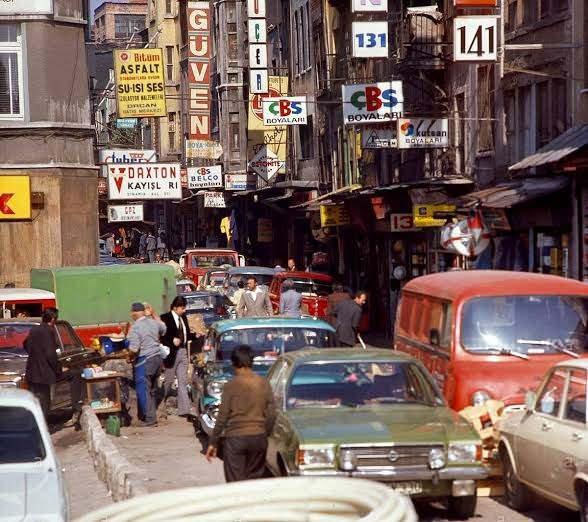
(292, 499)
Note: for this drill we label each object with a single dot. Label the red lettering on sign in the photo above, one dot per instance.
(4, 208)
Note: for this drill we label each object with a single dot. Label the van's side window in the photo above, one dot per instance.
(407, 305)
(440, 320)
(447, 324)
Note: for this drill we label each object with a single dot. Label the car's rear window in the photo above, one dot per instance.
(20, 438)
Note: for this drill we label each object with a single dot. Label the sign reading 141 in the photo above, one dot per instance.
(370, 39)
(475, 38)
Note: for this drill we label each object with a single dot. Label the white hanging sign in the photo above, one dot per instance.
(125, 213)
(372, 102)
(205, 177)
(475, 38)
(290, 110)
(256, 9)
(214, 200)
(370, 39)
(379, 138)
(423, 133)
(257, 29)
(364, 6)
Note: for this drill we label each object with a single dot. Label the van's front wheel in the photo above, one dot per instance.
(462, 508)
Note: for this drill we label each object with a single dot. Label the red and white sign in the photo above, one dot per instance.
(402, 223)
(291, 110)
(125, 213)
(199, 53)
(266, 163)
(145, 181)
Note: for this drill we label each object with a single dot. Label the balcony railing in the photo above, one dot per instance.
(422, 37)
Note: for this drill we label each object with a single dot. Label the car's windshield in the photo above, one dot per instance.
(262, 279)
(530, 324)
(261, 366)
(211, 261)
(356, 384)
(12, 336)
(274, 340)
(20, 439)
(199, 302)
(310, 287)
(185, 287)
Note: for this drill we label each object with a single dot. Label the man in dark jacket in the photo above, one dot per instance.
(176, 338)
(43, 367)
(347, 317)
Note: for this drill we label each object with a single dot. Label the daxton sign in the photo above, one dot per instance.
(125, 213)
(150, 181)
(285, 111)
(372, 103)
(199, 51)
(423, 133)
(140, 84)
(15, 7)
(205, 177)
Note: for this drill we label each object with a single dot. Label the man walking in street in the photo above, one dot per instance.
(290, 300)
(144, 343)
(254, 302)
(246, 418)
(43, 367)
(176, 338)
(151, 247)
(347, 317)
(142, 246)
(339, 294)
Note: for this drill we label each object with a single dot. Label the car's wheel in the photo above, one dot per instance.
(516, 494)
(582, 493)
(462, 508)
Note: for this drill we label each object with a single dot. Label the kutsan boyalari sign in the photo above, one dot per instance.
(146, 181)
(140, 83)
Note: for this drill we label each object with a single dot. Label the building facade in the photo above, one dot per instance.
(46, 134)
(119, 22)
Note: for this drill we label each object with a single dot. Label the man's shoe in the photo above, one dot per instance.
(144, 424)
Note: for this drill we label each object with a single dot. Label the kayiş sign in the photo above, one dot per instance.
(285, 111)
(372, 103)
(125, 213)
(151, 181)
(205, 177)
(423, 133)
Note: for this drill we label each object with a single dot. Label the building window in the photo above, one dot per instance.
(559, 111)
(168, 7)
(511, 20)
(235, 136)
(303, 41)
(510, 120)
(485, 107)
(11, 82)
(297, 65)
(171, 130)
(233, 78)
(127, 25)
(542, 108)
(525, 136)
(307, 140)
(530, 13)
(169, 61)
(460, 136)
(307, 37)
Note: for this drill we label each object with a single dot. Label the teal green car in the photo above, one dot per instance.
(374, 414)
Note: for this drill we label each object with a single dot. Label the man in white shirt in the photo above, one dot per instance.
(254, 302)
(176, 363)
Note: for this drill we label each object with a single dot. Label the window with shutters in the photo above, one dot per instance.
(11, 80)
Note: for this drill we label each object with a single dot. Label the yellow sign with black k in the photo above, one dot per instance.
(15, 198)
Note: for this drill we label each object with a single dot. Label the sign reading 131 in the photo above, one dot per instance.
(475, 38)
(370, 39)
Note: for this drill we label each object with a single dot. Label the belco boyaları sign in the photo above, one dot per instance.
(205, 177)
(372, 102)
(290, 110)
(149, 181)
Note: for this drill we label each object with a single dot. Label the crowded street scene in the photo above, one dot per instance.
(293, 260)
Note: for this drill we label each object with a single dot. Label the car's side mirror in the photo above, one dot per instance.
(434, 337)
(530, 400)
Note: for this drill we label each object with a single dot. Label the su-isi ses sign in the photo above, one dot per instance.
(205, 177)
(148, 181)
(370, 39)
(125, 213)
(291, 110)
(140, 84)
(372, 102)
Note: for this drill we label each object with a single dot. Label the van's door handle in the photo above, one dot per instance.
(546, 426)
(577, 436)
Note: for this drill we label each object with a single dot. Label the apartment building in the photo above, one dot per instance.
(116, 22)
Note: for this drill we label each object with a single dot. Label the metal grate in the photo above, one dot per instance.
(391, 456)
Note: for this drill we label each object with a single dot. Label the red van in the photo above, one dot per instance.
(197, 261)
(24, 302)
(314, 287)
(489, 333)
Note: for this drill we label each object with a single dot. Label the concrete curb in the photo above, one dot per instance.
(123, 480)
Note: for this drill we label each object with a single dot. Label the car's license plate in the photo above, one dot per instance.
(408, 488)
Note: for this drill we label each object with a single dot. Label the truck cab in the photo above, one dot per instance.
(197, 261)
(24, 302)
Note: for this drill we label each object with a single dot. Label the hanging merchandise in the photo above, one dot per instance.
(468, 237)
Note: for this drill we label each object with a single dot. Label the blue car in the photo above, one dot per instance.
(268, 337)
(211, 306)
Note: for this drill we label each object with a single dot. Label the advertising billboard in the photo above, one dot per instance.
(140, 83)
(291, 110)
(205, 177)
(423, 133)
(372, 102)
(15, 198)
(125, 213)
(107, 156)
(148, 181)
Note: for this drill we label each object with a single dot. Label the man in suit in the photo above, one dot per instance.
(348, 316)
(254, 302)
(43, 366)
(176, 339)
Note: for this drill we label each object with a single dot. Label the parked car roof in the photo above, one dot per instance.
(264, 270)
(348, 354)
(304, 275)
(24, 294)
(471, 283)
(10, 396)
(581, 364)
(270, 322)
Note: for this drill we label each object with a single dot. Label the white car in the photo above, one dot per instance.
(32, 487)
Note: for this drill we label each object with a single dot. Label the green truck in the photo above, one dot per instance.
(96, 300)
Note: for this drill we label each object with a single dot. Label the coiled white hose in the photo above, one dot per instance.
(295, 499)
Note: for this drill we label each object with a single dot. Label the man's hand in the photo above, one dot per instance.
(210, 453)
(177, 342)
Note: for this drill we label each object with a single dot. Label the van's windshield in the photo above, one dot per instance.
(530, 324)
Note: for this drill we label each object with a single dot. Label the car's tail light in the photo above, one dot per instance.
(220, 310)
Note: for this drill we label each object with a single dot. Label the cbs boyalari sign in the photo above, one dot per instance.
(17, 7)
(149, 181)
(475, 38)
(370, 39)
(292, 110)
(205, 177)
(199, 53)
(107, 156)
(372, 102)
(125, 213)
(140, 84)
(423, 133)
(15, 198)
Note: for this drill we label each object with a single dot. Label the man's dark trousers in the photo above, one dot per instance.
(43, 394)
(244, 457)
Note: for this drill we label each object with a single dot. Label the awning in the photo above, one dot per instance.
(329, 198)
(429, 182)
(556, 150)
(507, 195)
(268, 189)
